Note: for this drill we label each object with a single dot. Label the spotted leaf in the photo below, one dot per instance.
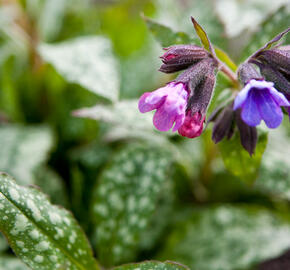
(227, 237)
(125, 200)
(44, 236)
(87, 61)
(153, 265)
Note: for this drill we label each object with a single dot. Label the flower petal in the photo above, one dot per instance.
(163, 120)
(250, 112)
(145, 106)
(279, 97)
(270, 111)
(178, 122)
(241, 97)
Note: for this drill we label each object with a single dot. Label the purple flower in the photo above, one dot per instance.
(259, 100)
(170, 103)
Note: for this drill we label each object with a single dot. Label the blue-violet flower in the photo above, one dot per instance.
(259, 100)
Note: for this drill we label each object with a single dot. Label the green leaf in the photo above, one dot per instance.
(165, 35)
(3, 243)
(51, 184)
(227, 237)
(274, 24)
(149, 265)
(23, 149)
(125, 200)
(223, 56)
(11, 263)
(44, 236)
(87, 61)
(274, 177)
(202, 36)
(238, 161)
(51, 19)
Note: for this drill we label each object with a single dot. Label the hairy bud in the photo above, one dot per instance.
(180, 57)
(248, 134)
(224, 124)
(247, 72)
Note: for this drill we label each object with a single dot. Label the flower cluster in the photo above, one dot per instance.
(182, 104)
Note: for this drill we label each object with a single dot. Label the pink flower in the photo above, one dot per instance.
(170, 103)
(192, 126)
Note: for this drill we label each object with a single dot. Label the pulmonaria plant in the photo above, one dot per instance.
(182, 104)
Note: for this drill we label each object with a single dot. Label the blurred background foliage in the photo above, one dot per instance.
(137, 193)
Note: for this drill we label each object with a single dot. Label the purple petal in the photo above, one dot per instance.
(250, 112)
(242, 96)
(163, 120)
(279, 97)
(178, 122)
(145, 106)
(270, 111)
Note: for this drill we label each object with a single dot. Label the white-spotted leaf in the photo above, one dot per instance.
(125, 200)
(44, 236)
(152, 265)
(87, 61)
(23, 149)
(228, 237)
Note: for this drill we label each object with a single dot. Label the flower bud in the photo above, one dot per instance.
(180, 57)
(275, 76)
(224, 124)
(275, 58)
(248, 134)
(247, 72)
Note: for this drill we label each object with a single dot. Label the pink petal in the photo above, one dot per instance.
(163, 120)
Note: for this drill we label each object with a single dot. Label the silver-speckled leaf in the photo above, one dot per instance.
(87, 61)
(125, 200)
(227, 238)
(44, 236)
(152, 265)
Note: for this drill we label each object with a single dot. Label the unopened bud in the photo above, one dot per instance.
(180, 57)
(223, 125)
(248, 134)
(247, 72)
(276, 58)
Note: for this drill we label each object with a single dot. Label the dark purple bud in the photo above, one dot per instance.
(248, 134)
(224, 124)
(180, 57)
(275, 76)
(276, 58)
(247, 72)
(200, 98)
